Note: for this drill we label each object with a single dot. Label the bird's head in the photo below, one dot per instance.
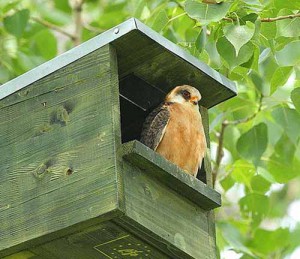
(184, 94)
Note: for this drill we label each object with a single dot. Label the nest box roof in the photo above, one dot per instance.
(145, 54)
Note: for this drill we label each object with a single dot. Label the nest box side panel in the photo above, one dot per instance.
(209, 181)
(57, 145)
(150, 204)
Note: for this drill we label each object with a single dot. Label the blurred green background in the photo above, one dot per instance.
(255, 136)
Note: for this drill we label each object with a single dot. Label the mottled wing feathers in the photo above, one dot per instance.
(155, 125)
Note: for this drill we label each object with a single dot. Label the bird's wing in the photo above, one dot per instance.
(155, 125)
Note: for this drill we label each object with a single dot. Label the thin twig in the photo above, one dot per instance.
(53, 27)
(77, 12)
(244, 120)
(220, 153)
(269, 19)
(291, 16)
(225, 123)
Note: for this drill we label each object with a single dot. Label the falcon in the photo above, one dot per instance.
(174, 129)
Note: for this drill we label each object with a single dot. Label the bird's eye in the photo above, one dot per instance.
(186, 94)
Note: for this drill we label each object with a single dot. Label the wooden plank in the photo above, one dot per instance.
(166, 213)
(66, 58)
(161, 67)
(106, 240)
(34, 247)
(168, 173)
(207, 159)
(144, 52)
(54, 178)
(209, 181)
(80, 72)
(151, 237)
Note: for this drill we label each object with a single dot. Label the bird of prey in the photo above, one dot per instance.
(174, 129)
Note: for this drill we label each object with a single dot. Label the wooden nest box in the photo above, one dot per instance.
(75, 180)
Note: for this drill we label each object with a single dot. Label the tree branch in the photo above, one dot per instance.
(291, 16)
(244, 120)
(225, 123)
(269, 19)
(53, 27)
(220, 153)
(77, 12)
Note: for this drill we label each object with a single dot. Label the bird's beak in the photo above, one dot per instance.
(194, 100)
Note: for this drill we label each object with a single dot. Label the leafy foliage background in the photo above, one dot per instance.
(255, 136)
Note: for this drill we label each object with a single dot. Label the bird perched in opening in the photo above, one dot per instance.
(174, 129)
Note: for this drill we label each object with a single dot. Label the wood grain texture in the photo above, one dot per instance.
(57, 145)
(163, 69)
(172, 176)
(105, 240)
(209, 182)
(166, 213)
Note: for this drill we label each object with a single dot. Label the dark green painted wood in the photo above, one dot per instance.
(166, 213)
(161, 68)
(168, 173)
(145, 53)
(151, 237)
(209, 181)
(30, 247)
(104, 240)
(57, 162)
(63, 168)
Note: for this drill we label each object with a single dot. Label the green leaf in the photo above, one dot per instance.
(46, 44)
(252, 144)
(25, 62)
(55, 16)
(292, 5)
(253, 2)
(295, 96)
(294, 237)
(228, 53)
(242, 172)
(239, 35)
(289, 121)
(227, 182)
(268, 242)
(280, 77)
(285, 150)
(63, 5)
(206, 13)
(201, 40)
(254, 206)
(288, 27)
(233, 237)
(268, 30)
(252, 17)
(16, 23)
(259, 82)
(289, 55)
(283, 165)
(7, 5)
(259, 184)
(160, 21)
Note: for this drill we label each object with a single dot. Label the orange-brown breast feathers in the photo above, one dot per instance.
(175, 131)
(184, 141)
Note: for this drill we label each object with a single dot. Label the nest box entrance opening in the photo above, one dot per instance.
(137, 99)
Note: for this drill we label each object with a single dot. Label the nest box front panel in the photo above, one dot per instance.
(57, 145)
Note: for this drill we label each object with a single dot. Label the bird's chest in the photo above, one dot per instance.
(185, 126)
